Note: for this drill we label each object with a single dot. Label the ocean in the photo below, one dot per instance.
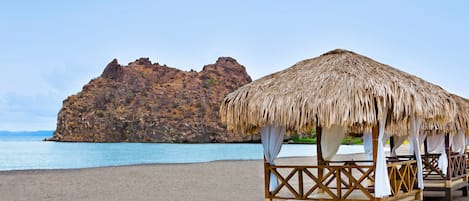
(26, 151)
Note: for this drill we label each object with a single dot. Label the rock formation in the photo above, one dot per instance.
(149, 102)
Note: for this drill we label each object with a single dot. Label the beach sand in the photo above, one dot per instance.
(221, 180)
(217, 181)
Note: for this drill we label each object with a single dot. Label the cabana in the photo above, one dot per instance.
(444, 159)
(446, 170)
(451, 161)
(335, 92)
(444, 163)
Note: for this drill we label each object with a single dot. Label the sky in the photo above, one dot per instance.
(50, 49)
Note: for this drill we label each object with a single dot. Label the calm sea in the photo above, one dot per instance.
(22, 151)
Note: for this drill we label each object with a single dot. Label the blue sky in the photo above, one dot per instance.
(50, 49)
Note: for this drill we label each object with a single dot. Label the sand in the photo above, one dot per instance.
(222, 180)
(217, 181)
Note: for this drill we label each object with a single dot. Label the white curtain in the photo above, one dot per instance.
(458, 142)
(467, 142)
(385, 139)
(414, 138)
(382, 186)
(368, 144)
(436, 144)
(421, 139)
(331, 138)
(272, 138)
(398, 141)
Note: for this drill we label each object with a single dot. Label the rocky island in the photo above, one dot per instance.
(149, 102)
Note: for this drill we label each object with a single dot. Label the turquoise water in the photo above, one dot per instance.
(28, 151)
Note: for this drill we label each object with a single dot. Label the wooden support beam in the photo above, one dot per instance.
(318, 146)
(391, 142)
(267, 179)
(425, 146)
(448, 155)
(319, 156)
(375, 134)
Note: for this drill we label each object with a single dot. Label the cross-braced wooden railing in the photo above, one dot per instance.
(457, 166)
(454, 177)
(402, 176)
(431, 171)
(341, 180)
(430, 165)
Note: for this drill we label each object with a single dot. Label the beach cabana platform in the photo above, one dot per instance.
(454, 178)
(445, 159)
(448, 179)
(336, 93)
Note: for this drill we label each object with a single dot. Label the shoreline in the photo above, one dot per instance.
(45, 156)
(148, 164)
(129, 165)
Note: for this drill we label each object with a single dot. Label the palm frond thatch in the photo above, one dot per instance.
(339, 87)
(461, 121)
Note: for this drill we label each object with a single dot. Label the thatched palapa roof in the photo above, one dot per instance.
(461, 121)
(339, 87)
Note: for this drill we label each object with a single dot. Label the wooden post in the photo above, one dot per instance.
(419, 195)
(391, 143)
(318, 145)
(319, 156)
(300, 183)
(449, 171)
(375, 134)
(267, 179)
(425, 146)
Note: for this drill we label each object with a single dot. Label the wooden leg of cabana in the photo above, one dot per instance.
(267, 180)
(319, 156)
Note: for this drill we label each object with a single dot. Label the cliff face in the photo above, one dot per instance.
(147, 102)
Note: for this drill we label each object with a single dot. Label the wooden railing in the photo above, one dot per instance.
(341, 180)
(402, 176)
(453, 179)
(456, 167)
(430, 166)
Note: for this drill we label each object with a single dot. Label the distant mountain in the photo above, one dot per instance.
(149, 102)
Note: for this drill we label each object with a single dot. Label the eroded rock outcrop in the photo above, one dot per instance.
(148, 102)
